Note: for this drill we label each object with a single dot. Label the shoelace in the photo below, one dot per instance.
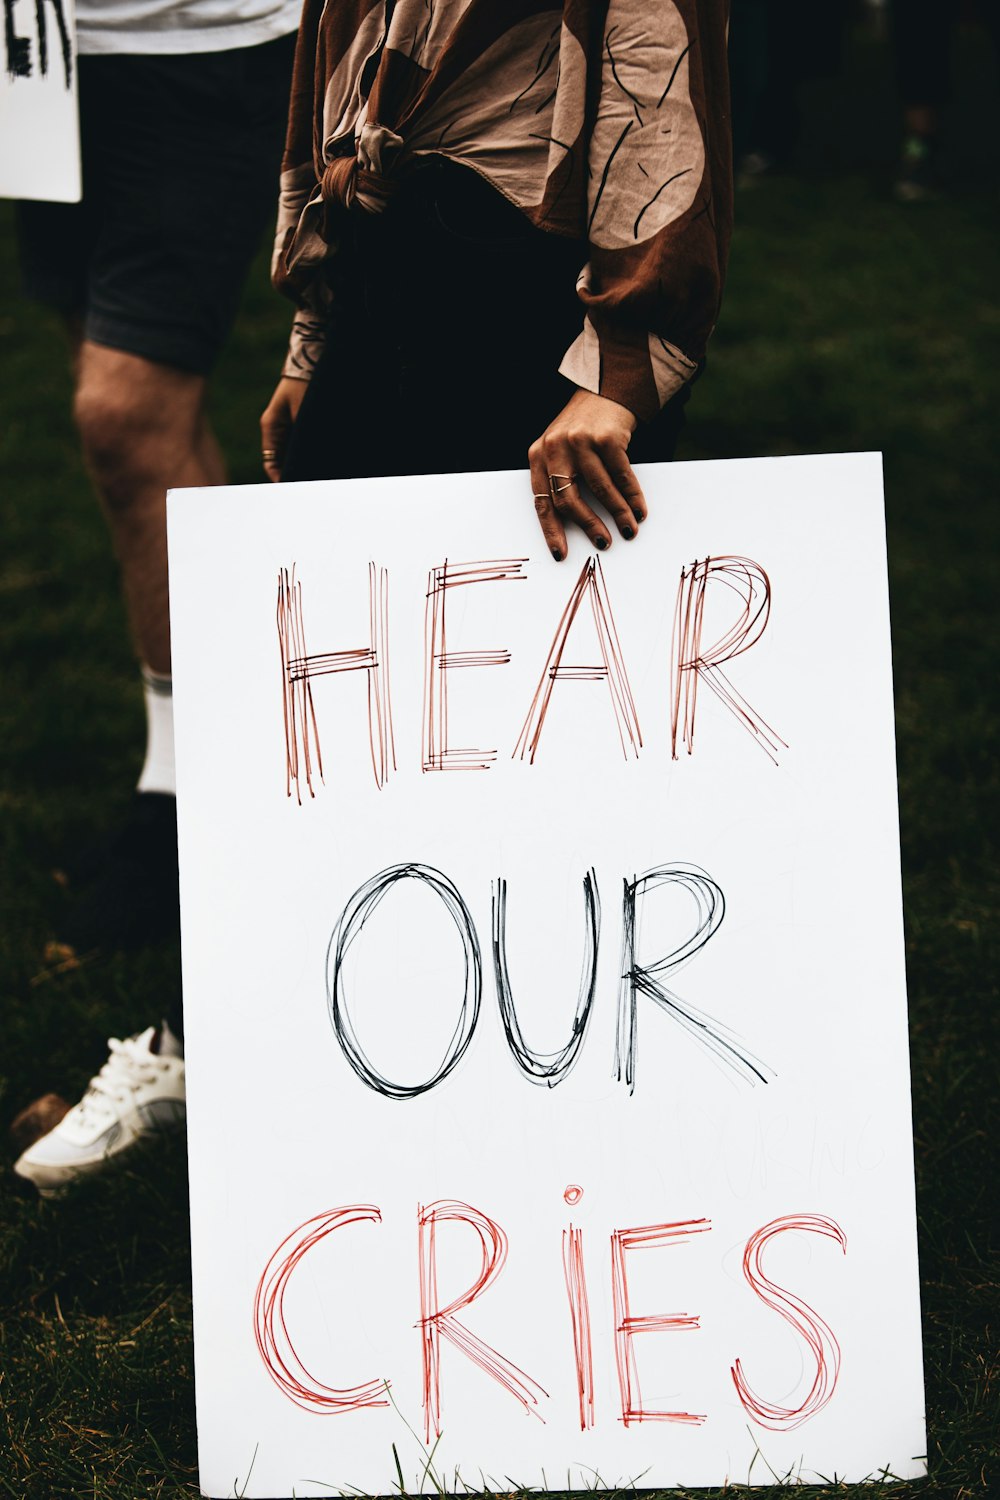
(128, 1067)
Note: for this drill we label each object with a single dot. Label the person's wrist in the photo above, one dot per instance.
(617, 406)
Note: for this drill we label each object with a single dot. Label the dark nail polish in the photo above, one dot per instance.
(639, 519)
(557, 554)
(627, 533)
(601, 542)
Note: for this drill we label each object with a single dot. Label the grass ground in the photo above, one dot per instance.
(850, 323)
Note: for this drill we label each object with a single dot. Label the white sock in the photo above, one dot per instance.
(158, 768)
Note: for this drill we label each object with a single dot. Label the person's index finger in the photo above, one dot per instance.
(570, 505)
(548, 519)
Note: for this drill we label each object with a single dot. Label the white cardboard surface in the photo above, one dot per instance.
(794, 1146)
(39, 128)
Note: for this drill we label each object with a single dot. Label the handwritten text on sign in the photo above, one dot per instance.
(562, 917)
(38, 113)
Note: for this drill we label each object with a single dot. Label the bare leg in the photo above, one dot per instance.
(210, 456)
(143, 430)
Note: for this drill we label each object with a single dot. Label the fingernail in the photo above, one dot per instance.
(627, 533)
(639, 519)
(557, 554)
(600, 542)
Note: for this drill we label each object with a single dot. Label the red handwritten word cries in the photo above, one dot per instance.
(693, 662)
(439, 1323)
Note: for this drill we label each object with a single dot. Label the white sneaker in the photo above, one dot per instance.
(139, 1091)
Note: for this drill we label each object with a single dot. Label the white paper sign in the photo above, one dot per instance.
(548, 1086)
(39, 128)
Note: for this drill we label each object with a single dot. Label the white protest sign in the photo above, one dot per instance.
(543, 964)
(39, 128)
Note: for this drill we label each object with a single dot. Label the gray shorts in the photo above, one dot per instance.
(181, 156)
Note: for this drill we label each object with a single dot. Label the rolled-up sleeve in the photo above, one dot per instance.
(659, 209)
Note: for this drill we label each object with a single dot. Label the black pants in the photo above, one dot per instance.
(452, 316)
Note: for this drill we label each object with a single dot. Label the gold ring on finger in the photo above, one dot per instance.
(567, 482)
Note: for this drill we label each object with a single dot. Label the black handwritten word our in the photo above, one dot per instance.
(18, 47)
(694, 662)
(438, 1321)
(546, 1069)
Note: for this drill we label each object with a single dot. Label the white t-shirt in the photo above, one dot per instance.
(158, 26)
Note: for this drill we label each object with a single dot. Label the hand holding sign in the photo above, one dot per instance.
(587, 441)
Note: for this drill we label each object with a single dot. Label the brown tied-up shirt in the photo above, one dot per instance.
(605, 120)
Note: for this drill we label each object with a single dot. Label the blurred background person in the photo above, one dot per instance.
(776, 46)
(183, 106)
(923, 34)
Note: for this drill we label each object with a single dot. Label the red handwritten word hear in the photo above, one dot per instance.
(692, 662)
